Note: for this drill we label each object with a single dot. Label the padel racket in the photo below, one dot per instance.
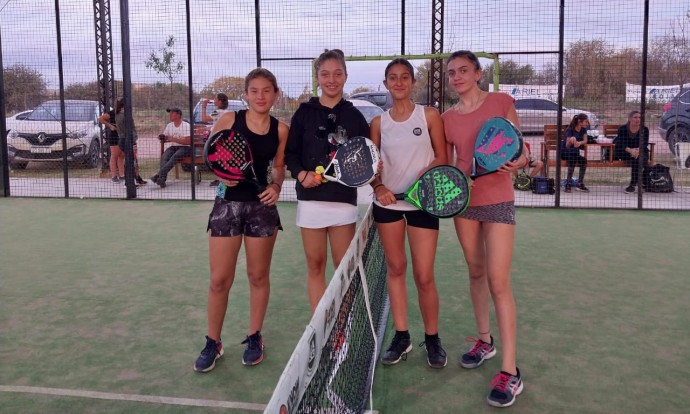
(442, 191)
(498, 142)
(354, 164)
(227, 155)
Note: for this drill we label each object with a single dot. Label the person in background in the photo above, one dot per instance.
(221, 106)
(122, 129)
(117, 156)
(486, 230)
(627, 147)
(326, 211)
(176, 132)
(575, 140)
(240, 215)
(410, 138)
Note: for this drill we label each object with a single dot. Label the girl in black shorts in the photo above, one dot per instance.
(411, 141)
(241, 215)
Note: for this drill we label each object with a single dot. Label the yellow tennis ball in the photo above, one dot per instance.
(319, 170)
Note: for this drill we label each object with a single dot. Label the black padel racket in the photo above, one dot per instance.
(354, 164)
(442, 191)
(227, 155)
(498, 142)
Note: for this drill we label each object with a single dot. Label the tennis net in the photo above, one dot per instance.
(331, 369)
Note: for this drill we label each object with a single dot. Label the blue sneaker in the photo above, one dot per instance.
(207, 359)
(504, 388)
(480, 352)
(254, 351)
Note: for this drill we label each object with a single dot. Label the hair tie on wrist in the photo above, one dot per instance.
(305, 177)
(377, 186)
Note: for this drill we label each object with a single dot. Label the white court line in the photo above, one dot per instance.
(132, 397)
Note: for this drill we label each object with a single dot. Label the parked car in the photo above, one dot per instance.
(38, 137)
(381, 99)
(202, 128)
(674, 125)
(11, 121)
(534, 113)
(368, 109)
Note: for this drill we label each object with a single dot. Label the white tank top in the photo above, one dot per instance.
(406, 151)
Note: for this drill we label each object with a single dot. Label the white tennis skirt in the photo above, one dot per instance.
(322, 214)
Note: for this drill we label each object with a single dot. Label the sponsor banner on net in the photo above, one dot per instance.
(661, 94)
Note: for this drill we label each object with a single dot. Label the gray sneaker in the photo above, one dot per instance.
(480, 352)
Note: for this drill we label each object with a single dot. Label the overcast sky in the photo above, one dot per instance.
(223, 33)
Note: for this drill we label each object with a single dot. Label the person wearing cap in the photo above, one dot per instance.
(177, 133)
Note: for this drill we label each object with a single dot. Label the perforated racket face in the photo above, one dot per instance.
(355, 163)
(228, 155)
(442, 191)
(498, 142)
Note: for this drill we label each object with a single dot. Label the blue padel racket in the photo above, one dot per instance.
(354, 164)
(227, 155)
(498, 142)
(442, 192)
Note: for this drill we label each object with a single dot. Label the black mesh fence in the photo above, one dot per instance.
(602, 59)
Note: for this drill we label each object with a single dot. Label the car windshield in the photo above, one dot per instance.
(369, 112)
(51, 112)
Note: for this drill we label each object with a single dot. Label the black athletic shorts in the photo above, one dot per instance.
(251, 218)
(414, 218)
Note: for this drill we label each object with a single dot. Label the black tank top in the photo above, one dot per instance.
(264, 148)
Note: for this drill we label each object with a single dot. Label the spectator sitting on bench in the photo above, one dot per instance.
(536, 165)
(178, 133)
(627, 148)
(575, 140)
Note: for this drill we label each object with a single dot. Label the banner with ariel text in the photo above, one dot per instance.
(530, 91)
(658, 94)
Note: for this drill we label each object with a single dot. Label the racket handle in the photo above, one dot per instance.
(400, 196)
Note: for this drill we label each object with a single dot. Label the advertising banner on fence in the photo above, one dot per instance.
(659, 94)
(530, 91)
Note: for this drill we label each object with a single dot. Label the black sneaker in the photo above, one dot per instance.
(435, 354)
(207, 359)
(480, 352)
(504, 388)
(140, 180)
(568, 188)
(629, 189)
(581, 187)
(254, 351)
(400, 346)
(115, 179)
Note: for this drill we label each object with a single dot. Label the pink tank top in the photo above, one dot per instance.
(461, 132)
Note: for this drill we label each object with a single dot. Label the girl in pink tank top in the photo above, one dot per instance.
(486, 230)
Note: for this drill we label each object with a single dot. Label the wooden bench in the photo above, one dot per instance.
(552, 139)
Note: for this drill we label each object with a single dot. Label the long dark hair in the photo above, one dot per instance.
(576, 119)
(335, 54)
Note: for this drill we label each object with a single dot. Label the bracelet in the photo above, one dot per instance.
(377, 186)
(279, 187)
(306, 173)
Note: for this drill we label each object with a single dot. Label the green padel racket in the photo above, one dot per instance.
(442, 192)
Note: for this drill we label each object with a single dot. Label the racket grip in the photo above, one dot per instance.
(400, 196)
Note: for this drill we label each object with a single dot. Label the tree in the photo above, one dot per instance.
(361, 89)
(510, 73)
(420, 93)
(166, 64)
(233, 86)
(24, 88)
(587, 74)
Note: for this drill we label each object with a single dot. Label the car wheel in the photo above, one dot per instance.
(679, 134)
(93, 156)
(18, 165)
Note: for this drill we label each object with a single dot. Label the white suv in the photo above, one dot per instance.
(534, 113)
(38, 137)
